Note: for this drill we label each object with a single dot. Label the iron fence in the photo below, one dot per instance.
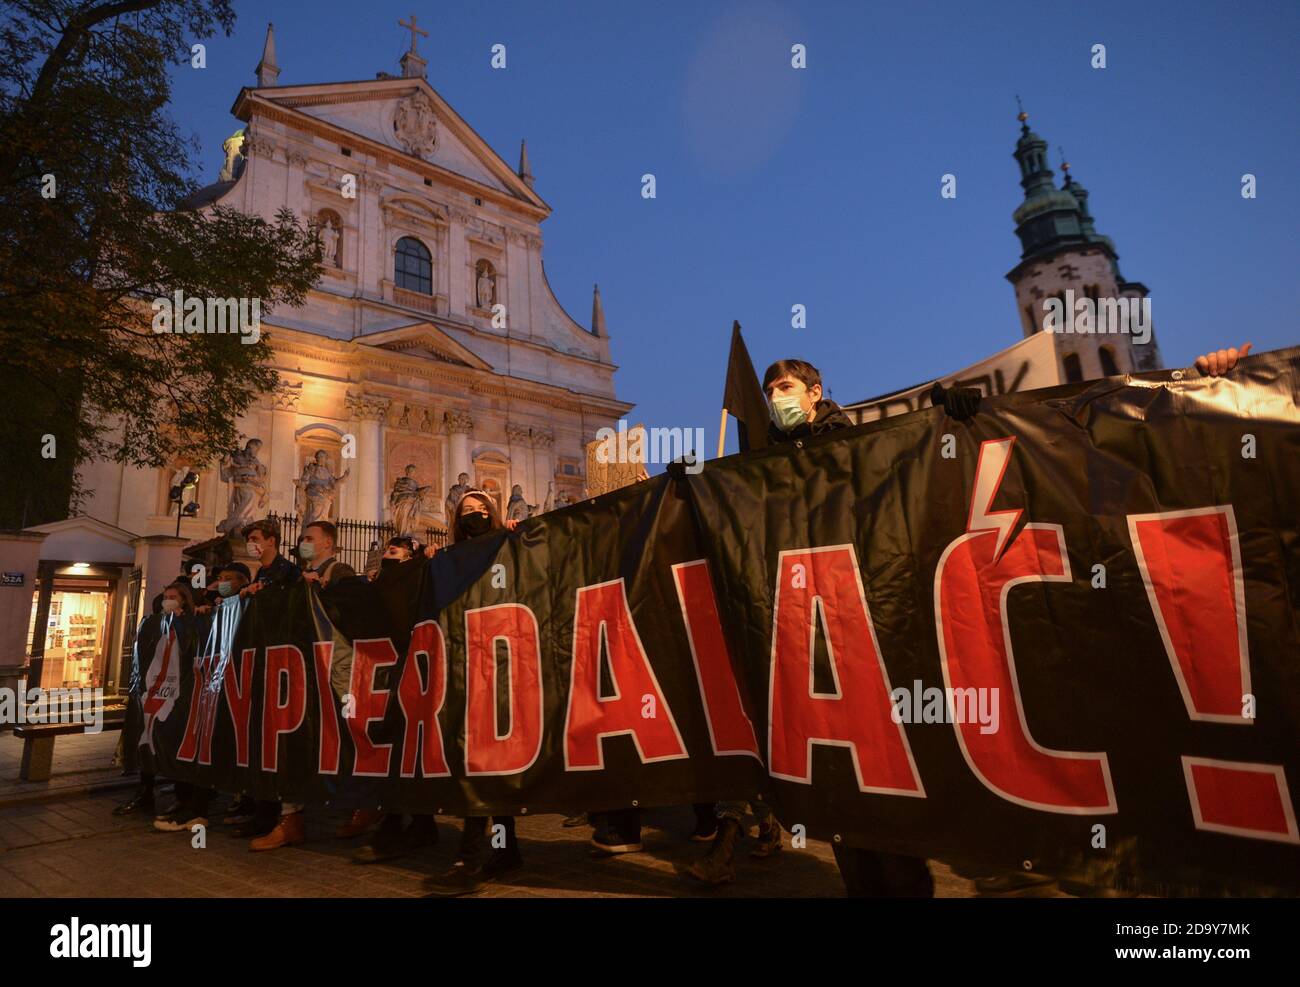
(358, 542)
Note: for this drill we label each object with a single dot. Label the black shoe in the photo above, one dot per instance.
(705, 830)
(140, 802)
(254, 827)
(579, 820)
(463, 878)
(391, 841)
(503, 862)
(608, 842)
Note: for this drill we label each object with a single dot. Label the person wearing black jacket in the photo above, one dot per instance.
(794, 392)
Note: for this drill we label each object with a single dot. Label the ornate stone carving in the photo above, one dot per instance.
(286, 396)
(297, 159)
(260, 146)
(517, 434)
(426, 421)
(459, 421)
(416, 125)
(407, 499)
(544, 438)
(534, 242)
(485, 285)
(246, 475)
(316, 489)
(368, 407)
(515, 236)
(461, 216)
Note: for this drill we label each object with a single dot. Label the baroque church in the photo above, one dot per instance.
(432, 338)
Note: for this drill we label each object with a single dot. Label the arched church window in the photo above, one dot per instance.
(1073, 368)
(413, 266)
(1109, 367)
(331, 237)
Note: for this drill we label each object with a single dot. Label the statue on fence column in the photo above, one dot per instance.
(316, 490)
(517, 509)
(407, 502)
(246, 475)
(454, 494)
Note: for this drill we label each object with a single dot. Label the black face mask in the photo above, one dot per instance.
(475, 524)
(387, 563)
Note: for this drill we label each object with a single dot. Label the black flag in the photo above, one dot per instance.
(742, 397)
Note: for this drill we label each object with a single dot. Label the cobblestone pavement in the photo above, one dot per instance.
(59, 839)
(74, 847)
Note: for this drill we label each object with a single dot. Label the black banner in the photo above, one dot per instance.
(1061, 636)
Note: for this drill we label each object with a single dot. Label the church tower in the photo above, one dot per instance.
(1062, 252)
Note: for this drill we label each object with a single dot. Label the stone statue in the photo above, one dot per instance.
(517, 509)
(457, 491)
(407, 502)
(246, 475)
(486, 288)
(233, 147)
(316, 490)
(329, 238)
(549, 503)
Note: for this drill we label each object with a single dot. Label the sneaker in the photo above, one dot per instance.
(178, 822)
(172, 810)
(462, 878)
(607, 842)
(241, 811)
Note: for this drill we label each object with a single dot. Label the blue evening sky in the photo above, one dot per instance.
(820, 186)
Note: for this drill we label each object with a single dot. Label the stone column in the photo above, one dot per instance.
(543, 467)
(519, 438)
(282, 466)
(20, 551)
(459, 426)
(369, 410)
(158, 557)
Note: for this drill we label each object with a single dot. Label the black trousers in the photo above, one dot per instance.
(875, 874)
(474, 842)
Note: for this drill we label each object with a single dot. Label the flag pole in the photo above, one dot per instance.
(722, 433)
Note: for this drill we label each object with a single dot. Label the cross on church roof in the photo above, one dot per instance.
(413, 29)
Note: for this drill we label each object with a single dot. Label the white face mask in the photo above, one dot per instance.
(254, 551)
(787, 412)
(171, 606)
(306, 551)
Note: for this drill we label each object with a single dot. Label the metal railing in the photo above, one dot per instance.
(357, 540)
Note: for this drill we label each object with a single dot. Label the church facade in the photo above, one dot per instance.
(431, 340)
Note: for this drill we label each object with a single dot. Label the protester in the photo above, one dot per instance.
(475, 515)
(316, 549)
(262, 539)
(142, 800)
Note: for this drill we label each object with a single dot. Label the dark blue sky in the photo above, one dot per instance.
(821, 186)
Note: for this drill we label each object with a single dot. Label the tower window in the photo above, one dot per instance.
(1108, 366)
(413, 266)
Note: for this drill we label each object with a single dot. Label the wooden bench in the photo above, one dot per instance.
(38, 742)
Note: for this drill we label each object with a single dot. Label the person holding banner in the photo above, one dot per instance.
(476, 515)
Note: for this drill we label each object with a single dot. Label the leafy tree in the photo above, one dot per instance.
(93, 228)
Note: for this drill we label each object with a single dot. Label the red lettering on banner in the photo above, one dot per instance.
(328, 755)
(420, 703)
(731, 731)
(487, 750)
(602, 614)
(971, 584)
(286, 674)
(823, 584)
(1191, 566)
(369, 705)
(239, 698)
(202, 715)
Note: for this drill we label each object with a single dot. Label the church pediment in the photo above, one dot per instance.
(425, 341)
(407, 116)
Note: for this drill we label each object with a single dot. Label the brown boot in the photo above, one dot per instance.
(769, 840)
(290, 831)
(362, 820)
(718, 865)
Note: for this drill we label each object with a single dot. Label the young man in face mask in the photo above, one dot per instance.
(262, 539)
(317, 550)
